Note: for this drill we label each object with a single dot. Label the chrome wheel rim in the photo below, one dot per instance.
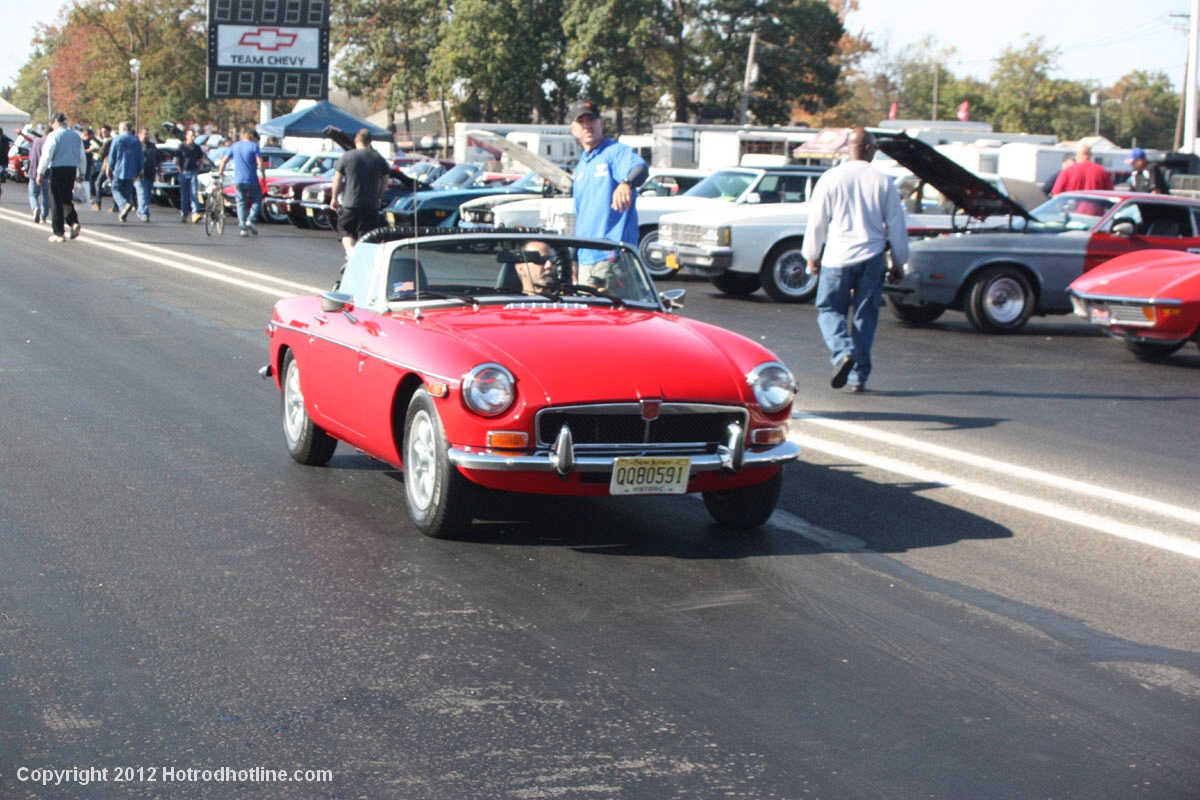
(791, 273)
(294, 415)
(1004, 301)
(420, 464)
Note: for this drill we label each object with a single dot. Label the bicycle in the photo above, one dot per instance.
(214, 209)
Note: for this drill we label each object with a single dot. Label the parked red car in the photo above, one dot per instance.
(1150, 299)
(431, 357)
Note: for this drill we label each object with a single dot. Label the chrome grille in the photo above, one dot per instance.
(688, 234)
(622, 424)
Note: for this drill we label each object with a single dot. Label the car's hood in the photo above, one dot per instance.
(546, 169)
(1147, 273)
(719, 212)
(498, 199)
(594, 354)
(680, 202)
(999, 242)
(965, 189)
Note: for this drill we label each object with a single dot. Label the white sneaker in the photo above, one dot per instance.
(54, 237)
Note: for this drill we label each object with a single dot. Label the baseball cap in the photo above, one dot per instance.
(581, 108)
(1135, 154)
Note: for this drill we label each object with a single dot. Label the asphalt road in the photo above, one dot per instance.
(982, 580)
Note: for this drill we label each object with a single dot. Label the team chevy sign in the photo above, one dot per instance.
(268, 49)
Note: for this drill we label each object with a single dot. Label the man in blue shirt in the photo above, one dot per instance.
(122, 166)
(605, 192)
(247, 160)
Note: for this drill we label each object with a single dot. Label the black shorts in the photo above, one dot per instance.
(356, 221)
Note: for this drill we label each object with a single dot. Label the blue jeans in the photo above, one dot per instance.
(39, 197)
(189, 200)
(847, 302)
(247, 194)
(144, 189)
(122, 192)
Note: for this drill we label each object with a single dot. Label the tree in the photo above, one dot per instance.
(383, 50)
(1149, 109)
(609, 41)
(796, 55)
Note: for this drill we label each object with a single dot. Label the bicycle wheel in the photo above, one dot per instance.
(209, 222)
(219, 215)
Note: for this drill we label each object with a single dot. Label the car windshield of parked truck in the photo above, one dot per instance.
(723, 185)
(1071, 212)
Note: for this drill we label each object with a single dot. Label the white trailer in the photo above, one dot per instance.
(468, 149)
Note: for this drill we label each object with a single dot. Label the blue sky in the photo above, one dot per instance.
(1099, 40)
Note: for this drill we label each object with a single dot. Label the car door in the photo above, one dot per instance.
(1156, 224)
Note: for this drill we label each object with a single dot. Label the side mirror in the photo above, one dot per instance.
(672, 298)
(753, 197)
(336, 301)
(1123, 228)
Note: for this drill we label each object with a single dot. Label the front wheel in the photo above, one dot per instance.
(322, 221)
(657, 268)
(999, 300)
(738, 284)
(916, 315)
(440, 500)
(307, 442)
(272, 212)
(747, 507)
(785, 274)
(1152, 351)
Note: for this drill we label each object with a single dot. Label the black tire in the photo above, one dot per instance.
(440, 500)
(747, 507)
(738, 284)
(272, 213)
(657, 269)
(784, 274)
(306, 442)
(1152, 351)
(1000, 300)
(915, 315)
(322, 221)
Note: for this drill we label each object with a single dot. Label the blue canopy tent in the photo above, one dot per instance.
(313, 121)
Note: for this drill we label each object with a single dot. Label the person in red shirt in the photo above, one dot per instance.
(1084, 174)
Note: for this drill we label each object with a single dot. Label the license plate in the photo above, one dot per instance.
(671, 261)
(310, 212)
(391, 218)
(1100, 316)
(650, 476)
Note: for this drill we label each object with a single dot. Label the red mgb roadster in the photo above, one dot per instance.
(1150, 298)
(529, 363)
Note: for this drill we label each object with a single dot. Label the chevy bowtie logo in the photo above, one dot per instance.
(268, 39)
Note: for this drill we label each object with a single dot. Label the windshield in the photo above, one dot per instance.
(460, 175)
(1071, 212)
(488, 269)
(723, 185)
(295, 162)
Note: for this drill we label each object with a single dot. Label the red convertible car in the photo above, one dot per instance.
(497, 360)
(1151, 299)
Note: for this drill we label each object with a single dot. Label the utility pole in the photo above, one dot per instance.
(1189, 95)
(752, 76)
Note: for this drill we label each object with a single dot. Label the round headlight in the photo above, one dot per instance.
(489, 389)
(773, 384)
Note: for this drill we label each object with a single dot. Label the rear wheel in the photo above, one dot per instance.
(738, 284)
(785, 274)
(747, 507)
(999, 300)
(916, 315)
(307, 442)
(440, 500)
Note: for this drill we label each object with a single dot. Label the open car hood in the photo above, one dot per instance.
(545, 169)
(976, 197)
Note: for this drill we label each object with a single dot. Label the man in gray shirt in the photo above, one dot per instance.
(62, 166)
(362, 176)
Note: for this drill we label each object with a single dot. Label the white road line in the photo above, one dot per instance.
(164, 257)
(1105, 493)
(1071, 516)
